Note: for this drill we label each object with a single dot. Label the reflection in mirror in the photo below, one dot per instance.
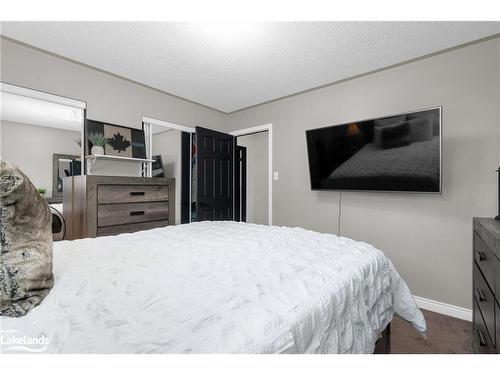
(33, 132)
(166, 151)
(63, 166)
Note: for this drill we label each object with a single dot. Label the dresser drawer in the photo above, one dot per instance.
(118, 214)
(131, 193)
(130, 228)
(485, 301)
(480, 338)
(485, 259)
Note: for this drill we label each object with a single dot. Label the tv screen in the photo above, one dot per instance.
(394, 153)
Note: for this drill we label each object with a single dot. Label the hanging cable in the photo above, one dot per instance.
(340, 212)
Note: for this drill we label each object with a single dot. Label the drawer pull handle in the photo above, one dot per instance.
(135, 193)
(136, 213)
(481, 255)
(480, 295)
(481, 338)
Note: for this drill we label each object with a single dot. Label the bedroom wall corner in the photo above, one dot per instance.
(428, 237)
(109, 98)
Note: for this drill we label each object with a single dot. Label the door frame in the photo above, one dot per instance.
(147, 123)
(236, 133)
(260, 129)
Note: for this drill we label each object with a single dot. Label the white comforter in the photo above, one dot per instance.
(218, 287)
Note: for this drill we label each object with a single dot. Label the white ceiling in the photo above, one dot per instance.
(232, 66)
(25, 110)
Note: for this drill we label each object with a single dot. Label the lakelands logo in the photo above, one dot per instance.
(11, 341)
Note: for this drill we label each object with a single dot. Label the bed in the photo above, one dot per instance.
(218, 287)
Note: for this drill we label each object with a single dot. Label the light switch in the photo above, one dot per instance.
(276, 176)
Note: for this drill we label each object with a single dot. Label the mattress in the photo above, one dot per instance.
(217, 287)
(415, 167)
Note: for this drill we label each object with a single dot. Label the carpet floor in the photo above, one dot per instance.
(445, 335)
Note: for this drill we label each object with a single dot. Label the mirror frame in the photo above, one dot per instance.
(55, 171)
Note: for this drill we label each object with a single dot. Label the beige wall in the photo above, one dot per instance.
(109, 98)
(168, 145)
(428, 237)
(257, 176)
(31, 147)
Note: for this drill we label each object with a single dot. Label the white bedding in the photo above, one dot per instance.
(218, 287)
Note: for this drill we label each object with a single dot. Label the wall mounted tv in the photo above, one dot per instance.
(394, 153)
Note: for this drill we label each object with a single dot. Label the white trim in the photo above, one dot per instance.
(83, 166)
(149, 149)
(269, 129)
(270, 177)
(149, 120)
(40, 95)
(254, 129)
(444, 308)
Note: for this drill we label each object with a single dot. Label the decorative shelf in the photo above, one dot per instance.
(110, 165)
(118, 158)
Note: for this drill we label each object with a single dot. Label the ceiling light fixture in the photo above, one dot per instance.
(224, 31)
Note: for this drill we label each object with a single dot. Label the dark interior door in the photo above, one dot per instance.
(185, 177)
(214, 175)
(240, 180)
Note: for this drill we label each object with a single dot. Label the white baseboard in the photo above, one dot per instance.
(444, 308)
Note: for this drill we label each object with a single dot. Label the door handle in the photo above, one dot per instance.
(134, 193)
(481, 256)
(136, 213)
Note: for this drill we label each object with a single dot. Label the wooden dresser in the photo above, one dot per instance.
(486, 285)
(101, 206)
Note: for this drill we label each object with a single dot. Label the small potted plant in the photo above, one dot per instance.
(98, 141)
(41, 191)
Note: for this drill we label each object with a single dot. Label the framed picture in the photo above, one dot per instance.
(121, 140)
(157, 169)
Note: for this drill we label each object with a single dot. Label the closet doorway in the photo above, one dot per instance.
(253, 175)
(204, 162)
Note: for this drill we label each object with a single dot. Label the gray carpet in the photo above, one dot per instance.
(445, 335)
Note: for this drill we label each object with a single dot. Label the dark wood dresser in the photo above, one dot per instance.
(486, 285)
(101, 206)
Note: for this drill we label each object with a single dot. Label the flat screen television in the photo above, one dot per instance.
(394, 153)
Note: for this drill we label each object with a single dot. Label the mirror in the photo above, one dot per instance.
(42, 138)
(166, 151)
(64, 165)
